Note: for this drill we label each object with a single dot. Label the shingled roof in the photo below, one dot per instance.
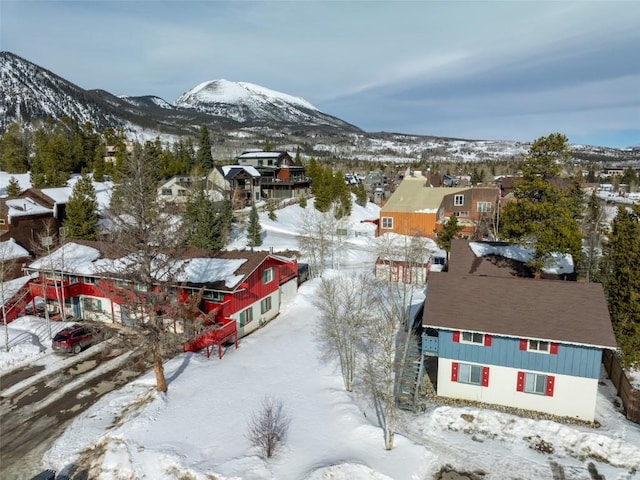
(551, 310)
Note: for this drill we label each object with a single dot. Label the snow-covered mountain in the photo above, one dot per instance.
(29, 92)
(242, 115)
(253, 104)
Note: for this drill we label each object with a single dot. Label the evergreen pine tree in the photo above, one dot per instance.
(361, 195)
(450, 230)
(14, 150)
(592, 239)
(205, 158)
(271, 210)
(622, 282)
(303, 201)
(254, 229)
(13, 187)
(82, 211)
(340, 194)
(99, 167)
(323, 190)
(544, 216)
(207, 224)
(297, 160)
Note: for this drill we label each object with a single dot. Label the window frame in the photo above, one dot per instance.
(469, 379)
(458, 200)
(486, 207)
(268, 275)
(464, 213)
(387, 222)
(473, 339)
(243, 315)
(534, 346)
(91, 304)
(536, 378)
(265, 305)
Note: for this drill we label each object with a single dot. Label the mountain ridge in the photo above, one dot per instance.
(238, 114)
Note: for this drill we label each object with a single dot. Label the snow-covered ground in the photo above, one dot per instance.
(198, 429)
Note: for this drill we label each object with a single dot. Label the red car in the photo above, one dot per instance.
(75, 338)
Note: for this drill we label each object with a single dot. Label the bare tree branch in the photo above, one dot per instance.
(268, 427)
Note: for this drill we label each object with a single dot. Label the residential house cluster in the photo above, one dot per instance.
(416, 208)
(256, 176)
(494, 335)
(236, 291)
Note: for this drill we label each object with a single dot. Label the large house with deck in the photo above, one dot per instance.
(503, 339)
(240, 290)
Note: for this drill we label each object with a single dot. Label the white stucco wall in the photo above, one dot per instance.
(572, 396)
(259, 319)
(288, 291)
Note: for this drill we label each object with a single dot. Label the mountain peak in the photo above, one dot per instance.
(225, 91)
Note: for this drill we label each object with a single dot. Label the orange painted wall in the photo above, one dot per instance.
(410, 223)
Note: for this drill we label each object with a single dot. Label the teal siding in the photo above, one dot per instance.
(575, 360)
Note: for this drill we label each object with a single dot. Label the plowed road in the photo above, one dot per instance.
(37, 401)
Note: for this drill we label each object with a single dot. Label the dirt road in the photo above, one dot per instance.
(36, 404)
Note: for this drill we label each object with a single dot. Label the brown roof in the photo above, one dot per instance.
(464, 262)
(551, 310)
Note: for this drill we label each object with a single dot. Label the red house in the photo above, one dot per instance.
(238, 291)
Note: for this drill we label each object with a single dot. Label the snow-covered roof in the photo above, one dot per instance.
(59, 194)
(260, 154)
(250, 170)
(10, 250)
(24, 206)
(81, 259)
(559, 263)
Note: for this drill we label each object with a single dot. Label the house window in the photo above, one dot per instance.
(387, 222)
(215, 296)
(538, 346)
(458, 200)
(246, 316)
(92, 304)
(265, 305)
(470, 374)
(472, 337)
(267, 275)
(166, 192)
(536, 383)
(90, 280)
(484, 207)
(461, 214)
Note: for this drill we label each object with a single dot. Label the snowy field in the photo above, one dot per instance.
(198, 429)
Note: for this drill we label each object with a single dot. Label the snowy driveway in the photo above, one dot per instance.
(38, 400)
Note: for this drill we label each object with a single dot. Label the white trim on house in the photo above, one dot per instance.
(573, 397)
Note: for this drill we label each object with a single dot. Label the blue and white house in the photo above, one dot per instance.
(518, 342)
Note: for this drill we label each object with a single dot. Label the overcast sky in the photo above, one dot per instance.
(510, 70)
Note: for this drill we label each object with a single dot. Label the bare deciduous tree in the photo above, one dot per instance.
(144, 243)
(343, 303)
(268, 427)
(405, 258)
(315, 240)
(380, 351)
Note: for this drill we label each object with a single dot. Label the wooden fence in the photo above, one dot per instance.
(629, 395)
